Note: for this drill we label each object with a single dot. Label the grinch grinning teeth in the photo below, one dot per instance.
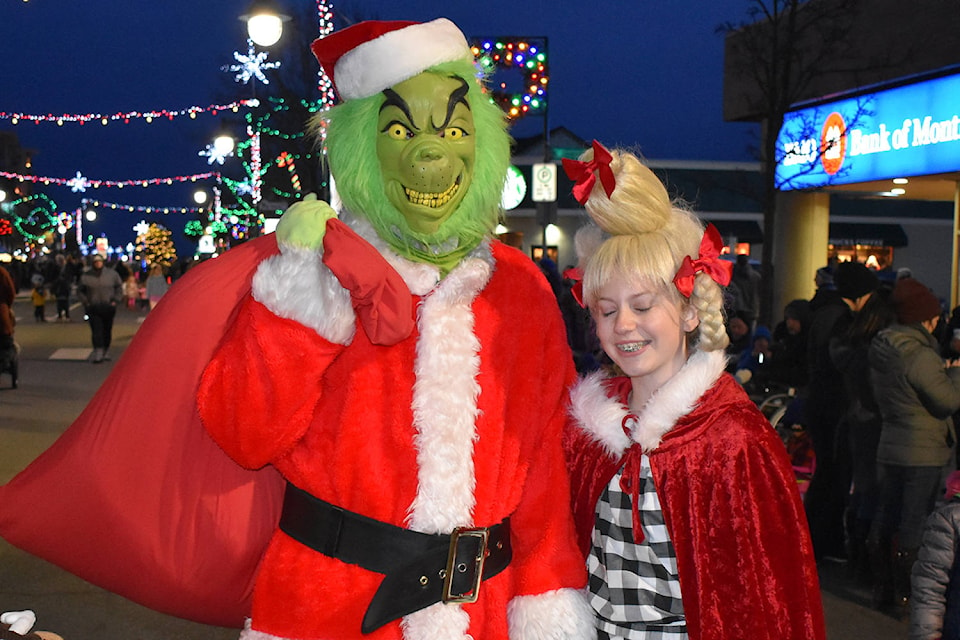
(432, 200)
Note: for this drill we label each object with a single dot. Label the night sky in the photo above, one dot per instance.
(647, 75)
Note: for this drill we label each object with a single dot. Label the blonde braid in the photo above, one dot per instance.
(707, 299)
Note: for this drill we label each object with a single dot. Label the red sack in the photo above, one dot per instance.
(135, 497)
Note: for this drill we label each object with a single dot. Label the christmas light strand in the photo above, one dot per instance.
(79, 183)
(126, 117)
(88, 202)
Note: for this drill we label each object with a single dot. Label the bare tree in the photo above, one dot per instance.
(787, 51)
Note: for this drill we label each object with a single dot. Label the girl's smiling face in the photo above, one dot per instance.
(644, 331)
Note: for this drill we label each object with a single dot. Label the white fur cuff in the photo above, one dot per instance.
(563, 614)
(298, 286)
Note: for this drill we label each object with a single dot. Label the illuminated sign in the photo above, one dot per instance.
(906, 131)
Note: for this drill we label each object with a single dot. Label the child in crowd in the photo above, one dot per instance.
(39, 298)
(935, 580)
(685, 502)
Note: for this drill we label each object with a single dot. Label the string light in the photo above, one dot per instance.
(526, 56)
(140, 208)
(126, 117)
(80, 183)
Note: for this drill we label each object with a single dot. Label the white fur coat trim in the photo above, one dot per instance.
(296, 285)
(564, 614)
(444, 414)
(602, 416)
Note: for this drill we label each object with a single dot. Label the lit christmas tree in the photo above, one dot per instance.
(155, 246)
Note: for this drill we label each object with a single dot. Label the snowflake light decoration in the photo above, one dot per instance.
(251, 65)
(141, 228)
(78, 184)
(244, 188)
(213, 154)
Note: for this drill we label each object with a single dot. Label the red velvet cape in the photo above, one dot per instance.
(135, 497)
(734, 515)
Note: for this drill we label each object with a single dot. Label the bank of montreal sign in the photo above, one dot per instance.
(906, 131)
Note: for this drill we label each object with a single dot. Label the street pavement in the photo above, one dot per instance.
(56, 381)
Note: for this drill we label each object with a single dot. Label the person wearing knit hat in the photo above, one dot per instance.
(829, 489)
(916, 393)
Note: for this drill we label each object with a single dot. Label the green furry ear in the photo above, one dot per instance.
(351, 144)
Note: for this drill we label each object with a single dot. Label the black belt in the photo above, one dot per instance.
(419, 569)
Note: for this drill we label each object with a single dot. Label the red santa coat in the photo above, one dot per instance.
(728, 495)
(458, 425)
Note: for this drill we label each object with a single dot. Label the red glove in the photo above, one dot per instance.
(380, 297)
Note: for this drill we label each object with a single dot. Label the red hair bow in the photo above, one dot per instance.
(709, 262)
(576, 274)
(583, 173)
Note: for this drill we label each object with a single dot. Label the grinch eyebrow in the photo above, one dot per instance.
(457, 96)
(395, 100)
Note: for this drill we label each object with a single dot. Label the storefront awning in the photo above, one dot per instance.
(865, 233)
(743, 230)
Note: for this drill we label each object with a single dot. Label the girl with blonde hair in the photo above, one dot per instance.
(685, 502)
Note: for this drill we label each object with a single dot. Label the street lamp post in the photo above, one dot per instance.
(264, 27)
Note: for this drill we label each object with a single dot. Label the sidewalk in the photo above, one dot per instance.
(54, 391)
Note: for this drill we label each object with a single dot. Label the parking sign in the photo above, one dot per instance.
(544, 182)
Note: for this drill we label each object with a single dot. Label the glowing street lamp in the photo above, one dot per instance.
(264, 22)
(223, 144)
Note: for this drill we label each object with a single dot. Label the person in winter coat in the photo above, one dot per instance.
(860, 425)
(935, 579)
(686, 506)
(100, 291)
(916, 393)
(826, 403)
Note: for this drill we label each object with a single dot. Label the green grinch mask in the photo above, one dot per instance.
(424, 161)
(425, 145)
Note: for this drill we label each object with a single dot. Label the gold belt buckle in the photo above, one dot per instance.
(469, 597)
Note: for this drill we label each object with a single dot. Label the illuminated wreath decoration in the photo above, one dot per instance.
(527, 56)
(40, 218)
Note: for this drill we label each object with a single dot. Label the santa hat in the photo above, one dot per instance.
(368, 57)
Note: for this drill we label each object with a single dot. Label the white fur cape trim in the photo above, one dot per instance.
(602, 416)
(398, 55)
(564, 614)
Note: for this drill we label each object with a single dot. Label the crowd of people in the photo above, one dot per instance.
(65, 279)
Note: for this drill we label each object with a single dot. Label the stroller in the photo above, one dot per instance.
(784, 410)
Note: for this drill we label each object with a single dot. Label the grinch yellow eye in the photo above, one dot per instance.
(398, 131)
(453, 133)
